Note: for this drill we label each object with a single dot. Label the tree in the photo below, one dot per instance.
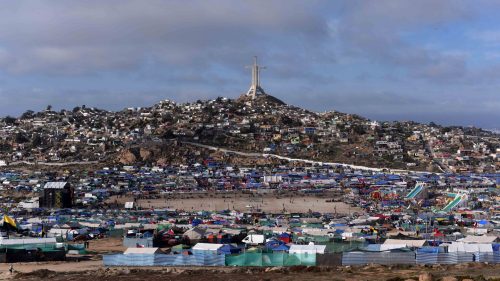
(21, 138)
(359, 129)
(36, 141)
(49, 107)
(9, 120)
(28, 114)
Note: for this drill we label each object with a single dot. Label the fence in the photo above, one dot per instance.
(163, 260)
(444, 258)
(361, 258)
(329, 259)
(270, 259)
(487, 257)
(285, 259)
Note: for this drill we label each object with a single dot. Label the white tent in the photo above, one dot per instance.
(206, 247)
(470, 248)
(478, 239)
(307, 249)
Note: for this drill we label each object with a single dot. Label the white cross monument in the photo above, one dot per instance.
(255, 88)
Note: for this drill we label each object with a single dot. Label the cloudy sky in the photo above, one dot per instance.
(420, 60)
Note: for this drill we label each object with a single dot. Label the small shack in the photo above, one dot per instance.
(57, 195)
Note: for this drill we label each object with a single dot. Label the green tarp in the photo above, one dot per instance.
(270, 259)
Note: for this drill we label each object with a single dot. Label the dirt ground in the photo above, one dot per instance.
(106, 245)
(86, 270)
(242, 202)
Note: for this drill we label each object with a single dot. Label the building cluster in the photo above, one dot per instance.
(371, 190)
(262, 124)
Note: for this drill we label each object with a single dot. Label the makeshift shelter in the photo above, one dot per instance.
(206, 248)
(195, 234)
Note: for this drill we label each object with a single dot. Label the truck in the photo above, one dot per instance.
(254, 239)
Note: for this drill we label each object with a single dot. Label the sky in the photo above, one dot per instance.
(420, 60)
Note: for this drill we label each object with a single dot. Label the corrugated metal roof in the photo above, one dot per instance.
(55, 185)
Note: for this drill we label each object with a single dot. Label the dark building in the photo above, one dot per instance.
(57, 195)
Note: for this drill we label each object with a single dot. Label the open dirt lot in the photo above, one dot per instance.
(242, 202)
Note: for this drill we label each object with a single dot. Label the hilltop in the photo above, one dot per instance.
(156, 135)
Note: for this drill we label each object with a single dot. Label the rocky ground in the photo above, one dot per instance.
(91, 269)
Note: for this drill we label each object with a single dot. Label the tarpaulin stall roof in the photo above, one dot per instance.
(407, 243)
(206, 247)
(307, 249)
(383, 247)
(478, 239)
(141, 251)
(470, 248)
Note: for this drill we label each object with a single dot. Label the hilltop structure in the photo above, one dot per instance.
(255, 88)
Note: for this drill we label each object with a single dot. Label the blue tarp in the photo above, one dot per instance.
(428, 250)
(163, 260)
(281, 247)
(228, 249)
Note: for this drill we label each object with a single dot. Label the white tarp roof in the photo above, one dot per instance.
(207, 247)
(407, 243)
(195, 233)
(27, 241)
(274, 229)
(478, 239)
(307, 249)
(470, 248)
(132, 251)
(316, 231)
(388, 247)
(89, 224)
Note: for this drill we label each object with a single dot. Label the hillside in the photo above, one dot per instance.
(264, 124)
